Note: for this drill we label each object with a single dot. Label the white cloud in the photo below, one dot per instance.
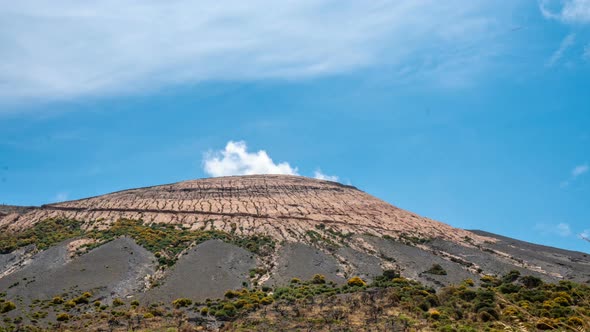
(321, 176)
(236, 160)
(566, 11)
(575, 173)
(585, 235)
(579, 170)
(66, 49)
(566, 43)
(561, 229)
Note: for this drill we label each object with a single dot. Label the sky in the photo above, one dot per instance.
(473, 113)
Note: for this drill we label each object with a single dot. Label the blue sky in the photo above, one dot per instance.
(474, 113)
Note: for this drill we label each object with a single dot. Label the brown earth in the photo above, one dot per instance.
(284, 207)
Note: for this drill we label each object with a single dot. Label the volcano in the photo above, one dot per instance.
(197, 239)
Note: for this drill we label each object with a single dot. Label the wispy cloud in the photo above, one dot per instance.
(579, 170)
(566, 43)
(575, 173)
(566, 11)
(586, 54)
(563, 229)
(321, 176)
(560, 229)
(61, 197)
(64, 49)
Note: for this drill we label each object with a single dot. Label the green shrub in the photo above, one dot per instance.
(509, 288)
(510, 311)
(467, 294)
(182, 302)
(240, 303)
(575, 321)
(356, 281)
(318, 279)
(117, 302)
(157, 311)
(546, 324)
(221, 314)
(231, 294)
(266, 300)
(63, 317)
(229, 308)
(490, 281)
(81, 300)
(69, 304)
(469, 282)
(437, 270)
(434, 314)
(7, 306)
(390, 274)
(511, 276)
(562, 301)
(487, 314)
(57, 300)
(531, 282)
(39, 314)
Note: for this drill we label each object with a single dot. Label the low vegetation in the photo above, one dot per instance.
(166, 241)
(43, 234)
(511, 302)
(437, 270)
(390, 303)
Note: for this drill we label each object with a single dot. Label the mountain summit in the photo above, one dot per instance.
(282, 206)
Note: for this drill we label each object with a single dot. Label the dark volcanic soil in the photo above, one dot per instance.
(561, 264)
(206, 271)
(115, 269)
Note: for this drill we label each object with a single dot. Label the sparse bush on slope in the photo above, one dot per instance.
(389, 303)
(166, 241)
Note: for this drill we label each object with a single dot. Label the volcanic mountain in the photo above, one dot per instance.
(284, 207)
(199, 238)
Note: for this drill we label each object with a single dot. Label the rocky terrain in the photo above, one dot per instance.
(284, 207)
(197, 239)
(14, 210)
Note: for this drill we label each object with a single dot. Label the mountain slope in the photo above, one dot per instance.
(199, 238)
(277, 205)
(341, 222)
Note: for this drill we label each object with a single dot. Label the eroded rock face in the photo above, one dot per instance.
(285, 207)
